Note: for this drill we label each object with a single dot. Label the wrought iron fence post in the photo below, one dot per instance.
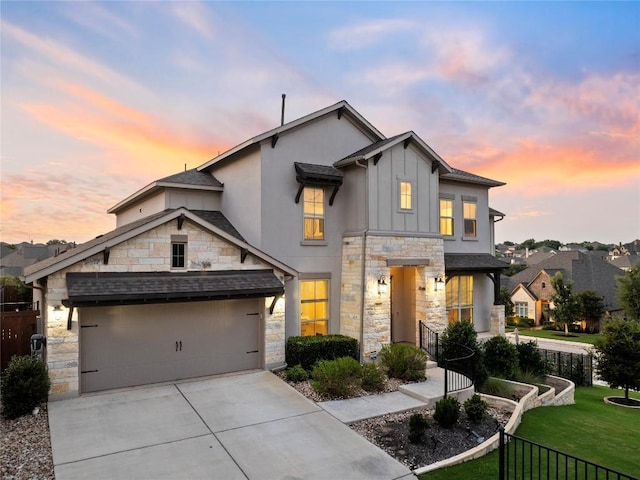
(446, 377)
(501, 455)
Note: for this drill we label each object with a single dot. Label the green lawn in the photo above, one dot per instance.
(589, 338)
(590, 429)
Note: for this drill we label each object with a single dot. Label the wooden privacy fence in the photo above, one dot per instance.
(16, 330)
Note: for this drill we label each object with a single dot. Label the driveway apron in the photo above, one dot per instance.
(244, 426)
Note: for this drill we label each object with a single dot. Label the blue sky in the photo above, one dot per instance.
(99, 99)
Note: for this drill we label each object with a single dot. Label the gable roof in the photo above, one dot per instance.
(342, 108)
(379, 147)
(216, 224)
(191, 179)
(586, 271)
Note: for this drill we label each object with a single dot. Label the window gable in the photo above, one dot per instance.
(406, 192)
(178, 254)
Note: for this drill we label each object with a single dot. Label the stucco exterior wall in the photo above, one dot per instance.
(458, 243)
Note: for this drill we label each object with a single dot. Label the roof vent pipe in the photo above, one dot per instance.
(284, 95)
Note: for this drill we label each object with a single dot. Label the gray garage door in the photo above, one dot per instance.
(130, 345)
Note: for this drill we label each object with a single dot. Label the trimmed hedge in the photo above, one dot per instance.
(25, 385)
(307, 351)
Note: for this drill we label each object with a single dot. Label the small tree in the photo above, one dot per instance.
(618, 355)
(505, 299)
(567, 308)
(463, 333)
(629, 292)
(592, 307)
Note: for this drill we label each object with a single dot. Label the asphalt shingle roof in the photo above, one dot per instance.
(156, 287)
(461, 175)
(588, 272)
(472, 261)
(192, 177)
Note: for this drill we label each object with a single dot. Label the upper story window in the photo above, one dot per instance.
(178, 254)
(446, 216)
(469, 209)
(405, 195)
(313, 213)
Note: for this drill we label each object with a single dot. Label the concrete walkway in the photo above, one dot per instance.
(243, 426)
(409, 396)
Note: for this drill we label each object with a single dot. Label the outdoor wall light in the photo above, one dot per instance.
(382, 285)
(438, 283)
(57, 313)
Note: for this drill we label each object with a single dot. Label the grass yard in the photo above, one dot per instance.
(589, 338)
(605, 434)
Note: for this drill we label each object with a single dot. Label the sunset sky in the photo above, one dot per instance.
(100, 99)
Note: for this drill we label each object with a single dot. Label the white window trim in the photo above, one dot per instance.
(399, 182)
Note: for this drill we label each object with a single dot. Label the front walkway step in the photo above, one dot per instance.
(431, 364)
(353, 409)
(432, 390)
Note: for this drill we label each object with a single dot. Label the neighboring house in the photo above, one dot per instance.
(624, 262)
(14, 261)
(531, 289)
(321, 225)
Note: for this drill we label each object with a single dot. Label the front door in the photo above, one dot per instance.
(403, 305)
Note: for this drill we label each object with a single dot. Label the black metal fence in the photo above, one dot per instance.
(521, 459)
(429, 342)
(573, 366)
(455, 359)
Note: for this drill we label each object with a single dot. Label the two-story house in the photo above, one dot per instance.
(321, 225)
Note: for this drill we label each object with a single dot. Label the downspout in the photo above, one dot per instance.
(362, 261)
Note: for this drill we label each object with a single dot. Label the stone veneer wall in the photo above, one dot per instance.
(430, 305)
(497, 320)
(148, 252)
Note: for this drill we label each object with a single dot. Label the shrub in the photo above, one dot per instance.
(24, 385)
(475, 408)
(447, 412)
(418, 424)
(529, 377)
(463, 333)
(339, 378)
(297, 374)
(497, 388)
(530, 360)
(550, 326)
(500, 357)
(306, 351)
(373, 378)
(405, 362)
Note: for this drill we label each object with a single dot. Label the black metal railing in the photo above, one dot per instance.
(455, 359)
(573, 366)
(521, 459)
(429, 342)
(458, 371)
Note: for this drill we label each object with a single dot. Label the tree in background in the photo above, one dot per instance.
(55, 241)
(566, 307)
(592, 306)
(629, 292)
(618, 355)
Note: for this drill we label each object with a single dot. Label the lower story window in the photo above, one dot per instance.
(459, 292)
(522, 309)
(314, 307)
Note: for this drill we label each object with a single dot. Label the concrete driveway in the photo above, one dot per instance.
(250, 425)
